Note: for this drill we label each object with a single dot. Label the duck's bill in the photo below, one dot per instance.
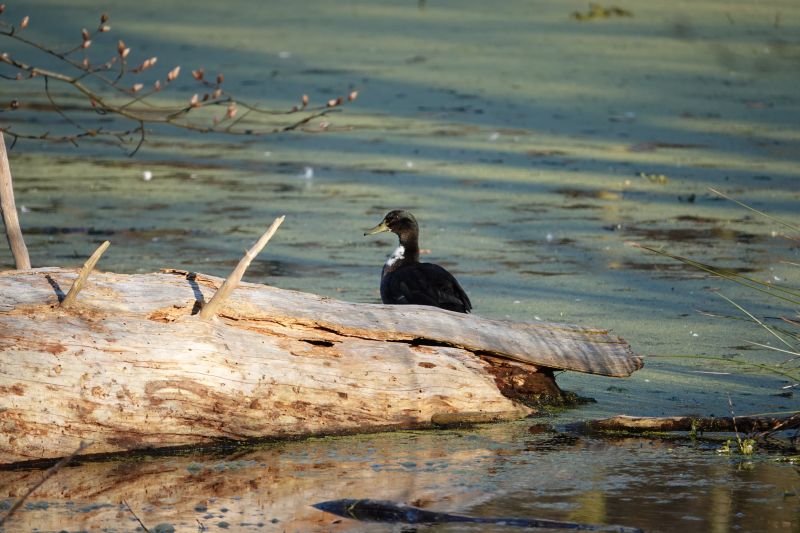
(377, 229)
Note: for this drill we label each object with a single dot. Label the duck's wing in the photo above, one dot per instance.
(425, 284)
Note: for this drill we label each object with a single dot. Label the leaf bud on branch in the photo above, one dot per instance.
(174, 73)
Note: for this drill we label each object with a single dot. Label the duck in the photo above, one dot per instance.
(404, 280)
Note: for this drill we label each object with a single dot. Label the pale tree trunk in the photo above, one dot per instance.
(9, 211)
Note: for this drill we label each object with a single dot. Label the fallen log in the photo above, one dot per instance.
(648, 424)
(129, 365)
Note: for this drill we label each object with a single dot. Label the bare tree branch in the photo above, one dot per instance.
(115, 89)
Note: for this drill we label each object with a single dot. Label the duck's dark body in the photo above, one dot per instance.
(423, 284)
(404, 280)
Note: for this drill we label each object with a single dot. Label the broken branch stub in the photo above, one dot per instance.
(9, 210)
(88, 266)
(210, 309)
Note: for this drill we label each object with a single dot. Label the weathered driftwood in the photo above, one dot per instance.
(644, 424)
(130, 366)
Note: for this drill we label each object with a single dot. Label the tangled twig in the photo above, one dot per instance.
(115, 88)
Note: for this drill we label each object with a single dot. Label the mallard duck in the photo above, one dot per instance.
(404, 280)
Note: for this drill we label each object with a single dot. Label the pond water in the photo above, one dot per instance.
(532, 147)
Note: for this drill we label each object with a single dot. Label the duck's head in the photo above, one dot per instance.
(399, 221)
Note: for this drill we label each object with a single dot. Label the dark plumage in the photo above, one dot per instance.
(404, 280)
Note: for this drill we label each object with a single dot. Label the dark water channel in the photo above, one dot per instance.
(533, 148)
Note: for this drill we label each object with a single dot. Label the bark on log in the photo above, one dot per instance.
(130, 367)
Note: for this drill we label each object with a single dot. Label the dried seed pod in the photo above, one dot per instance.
(24, 23)
(216, 94)
(333, 102)
(352, 96)
(195, 101)
(86, 44)
(157, 85)
(103, 18)
(220, 78)
(104, 28)
(120, 46)
(137, 87)
(85, 63)
(304, 100)
(198, 74)
(85, 34)
(2, 8)
(125, 53)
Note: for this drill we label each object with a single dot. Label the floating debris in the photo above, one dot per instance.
(627, 116)
(655, 145)
(307, 174)
(596, 11)
(660, 179)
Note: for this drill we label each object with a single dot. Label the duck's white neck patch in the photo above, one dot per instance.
(397, 255)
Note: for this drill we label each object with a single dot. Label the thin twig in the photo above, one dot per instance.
(768, 288)
(88, 266)
(736, 430)
(57, 107)
(774, 219)
(210, 309)
(136, 517)
(757, 321)
(767, 346)
(761, 366)
(53, 470)
(141, 139)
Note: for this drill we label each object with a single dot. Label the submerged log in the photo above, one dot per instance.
(131, 366)
(647, 424)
